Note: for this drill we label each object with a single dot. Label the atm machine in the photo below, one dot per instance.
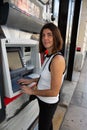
(16, 65)
(16, 27)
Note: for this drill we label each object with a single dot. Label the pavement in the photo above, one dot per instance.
(66, 95)
(76, 115)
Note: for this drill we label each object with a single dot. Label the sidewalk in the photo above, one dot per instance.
(67, 91)
(76, 114)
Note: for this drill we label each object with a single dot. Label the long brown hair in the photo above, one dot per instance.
(57, 38)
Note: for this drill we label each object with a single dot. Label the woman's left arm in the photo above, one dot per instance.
(57, 68)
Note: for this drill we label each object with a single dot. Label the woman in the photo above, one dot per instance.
(49, 83)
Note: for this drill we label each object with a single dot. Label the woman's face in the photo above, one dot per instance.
(47, 39)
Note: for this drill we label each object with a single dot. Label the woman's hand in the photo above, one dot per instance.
(24, 81)
(27, 90)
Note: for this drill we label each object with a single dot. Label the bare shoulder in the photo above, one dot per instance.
(58, 61)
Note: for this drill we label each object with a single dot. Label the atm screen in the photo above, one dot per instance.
(14, 59)
(16, 66)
